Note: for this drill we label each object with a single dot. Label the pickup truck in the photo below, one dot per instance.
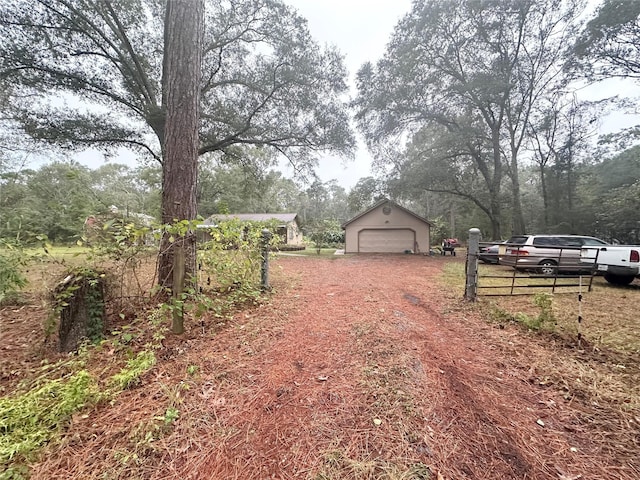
(619, 264)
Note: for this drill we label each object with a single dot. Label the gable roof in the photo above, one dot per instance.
(380, 203)
(254, 217)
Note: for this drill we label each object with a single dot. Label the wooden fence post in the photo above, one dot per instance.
(471, 285)
(177, 323)
(264, 271)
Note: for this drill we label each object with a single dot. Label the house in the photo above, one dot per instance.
(288, 227)
(387, 227)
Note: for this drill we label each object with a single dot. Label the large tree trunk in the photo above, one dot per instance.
(545, 196)
(496, 183)
(517, 217)
(184, 24)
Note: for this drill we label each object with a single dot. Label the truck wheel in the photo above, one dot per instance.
(547, 267)
(618, 279)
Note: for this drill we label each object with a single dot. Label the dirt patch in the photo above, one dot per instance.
(360, 367)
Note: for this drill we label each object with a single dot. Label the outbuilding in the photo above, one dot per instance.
(288, 228)
(387, 227)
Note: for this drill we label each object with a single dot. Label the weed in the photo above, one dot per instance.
(545, 319)
(170, 416)
(31, 419)
(130, 374)
(12, 260)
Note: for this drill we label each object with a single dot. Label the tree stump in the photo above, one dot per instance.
(80, 300)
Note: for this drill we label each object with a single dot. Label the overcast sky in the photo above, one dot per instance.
(360, 29)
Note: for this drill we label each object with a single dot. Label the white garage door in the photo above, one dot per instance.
(386, 241)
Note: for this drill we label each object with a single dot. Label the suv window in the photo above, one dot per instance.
(571, 241)
(545, 241)
(518, 239)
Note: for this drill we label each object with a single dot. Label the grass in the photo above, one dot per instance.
(590, 347)
(313, 252)
(616, 328)
(613, 328)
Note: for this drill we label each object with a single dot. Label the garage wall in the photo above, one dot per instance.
(387, 229)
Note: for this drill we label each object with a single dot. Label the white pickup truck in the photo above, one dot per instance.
(619, 264)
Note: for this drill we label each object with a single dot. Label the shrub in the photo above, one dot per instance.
(12, 261)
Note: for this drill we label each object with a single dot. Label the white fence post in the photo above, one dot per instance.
(471, 286)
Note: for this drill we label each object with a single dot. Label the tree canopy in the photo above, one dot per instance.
(609, 45)
(463, 77)
(89, 73)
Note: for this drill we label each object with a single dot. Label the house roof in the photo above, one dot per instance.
(255, 217)
(380, 203)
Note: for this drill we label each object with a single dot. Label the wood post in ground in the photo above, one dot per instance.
(471, 285)
(179, 264)
(80, 301)
(264, 271)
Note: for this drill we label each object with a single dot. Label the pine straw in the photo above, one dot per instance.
(340, 378)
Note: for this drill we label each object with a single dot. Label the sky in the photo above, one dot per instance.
(360, 29)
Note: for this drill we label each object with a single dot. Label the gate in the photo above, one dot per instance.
(488, 281)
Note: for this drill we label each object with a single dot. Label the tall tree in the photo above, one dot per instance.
(365, 193)
(183, 36)
(473, 70)
(558, 134)
(89, 73)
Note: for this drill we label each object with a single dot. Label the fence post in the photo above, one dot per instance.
(471, 286)
(264, 271)
(179, 272)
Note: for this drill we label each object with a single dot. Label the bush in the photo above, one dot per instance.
(12, 261)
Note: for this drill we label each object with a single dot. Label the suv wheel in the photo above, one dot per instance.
(548, 267)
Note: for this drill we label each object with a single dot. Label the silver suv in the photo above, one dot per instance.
(546, 254)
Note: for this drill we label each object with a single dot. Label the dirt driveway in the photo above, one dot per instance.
(361, 367)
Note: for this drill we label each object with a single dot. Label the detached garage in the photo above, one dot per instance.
(386, 227)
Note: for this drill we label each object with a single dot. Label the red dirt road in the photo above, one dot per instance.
(361, 367)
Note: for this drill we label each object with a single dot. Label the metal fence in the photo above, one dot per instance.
(513, 274)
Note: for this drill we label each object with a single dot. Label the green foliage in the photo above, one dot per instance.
(170, 415)
(12, 261)
(439, 230)
(231, 261)
(253, 41)
(249, 187)
(325, 234)
(42, 408)
(31, 419)
(545, 319)
(130, 374)
(608, 46)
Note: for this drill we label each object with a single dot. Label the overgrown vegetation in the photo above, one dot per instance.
(38, 414)
(12, 262)
(230, 261)
(545, 319)
(30, 419)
